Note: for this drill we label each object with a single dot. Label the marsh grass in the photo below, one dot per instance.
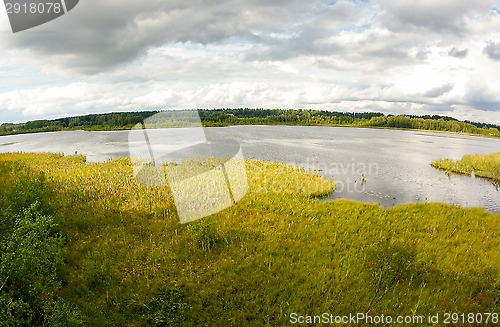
(487, 166)
(127, 258)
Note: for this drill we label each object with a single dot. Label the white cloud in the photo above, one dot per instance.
(392, 56)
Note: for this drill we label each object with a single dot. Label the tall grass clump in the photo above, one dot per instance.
(487, 166)
(204, 233)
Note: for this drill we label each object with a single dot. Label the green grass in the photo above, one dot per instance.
(487, 166)
(127, 261)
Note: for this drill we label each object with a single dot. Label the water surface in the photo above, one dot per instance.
(395, 163)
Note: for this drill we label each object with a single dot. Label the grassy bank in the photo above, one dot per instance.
(125, 260)
(487, 166)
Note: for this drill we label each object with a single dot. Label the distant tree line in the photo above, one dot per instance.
(226, 117)
(108, 121)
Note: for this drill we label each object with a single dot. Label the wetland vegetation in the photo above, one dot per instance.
(487, 166)
(86, 245)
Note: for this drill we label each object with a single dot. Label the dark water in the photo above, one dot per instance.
(394, 163)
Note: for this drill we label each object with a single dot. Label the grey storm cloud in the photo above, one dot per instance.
(97, 35)
(454, 52)
(439, 91)
(101, 35)
(448, 16)
(492, 50)
(312, 36)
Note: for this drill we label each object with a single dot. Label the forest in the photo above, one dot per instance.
(227, 117)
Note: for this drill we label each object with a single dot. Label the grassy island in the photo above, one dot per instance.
(487, 166)
(86, 245)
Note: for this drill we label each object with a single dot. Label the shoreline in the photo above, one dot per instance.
(319, 197)
(231, 125)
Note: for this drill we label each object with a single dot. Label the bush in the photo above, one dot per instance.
(167, 308)
(32, 252)
(28, 271)
(14, 312)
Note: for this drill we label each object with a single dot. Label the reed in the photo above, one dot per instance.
(487, 166)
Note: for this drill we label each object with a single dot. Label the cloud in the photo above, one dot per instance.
(439, 91)
(492, 50)
(481, 94)
(466, 112)
(98, 35)
(446, 16)
(101, 35)
(454, 52)
(345, 55)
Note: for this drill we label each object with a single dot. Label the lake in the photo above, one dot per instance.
(393, 163)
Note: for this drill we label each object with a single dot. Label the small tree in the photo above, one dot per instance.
(28, 271)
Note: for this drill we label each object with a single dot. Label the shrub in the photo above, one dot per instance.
(167, 308)
(28, 270)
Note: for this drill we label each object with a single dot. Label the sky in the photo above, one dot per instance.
(398, 57)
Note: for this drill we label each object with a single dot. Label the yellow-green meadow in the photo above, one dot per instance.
(124, 258)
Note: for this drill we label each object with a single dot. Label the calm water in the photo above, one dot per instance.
(395, 163)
